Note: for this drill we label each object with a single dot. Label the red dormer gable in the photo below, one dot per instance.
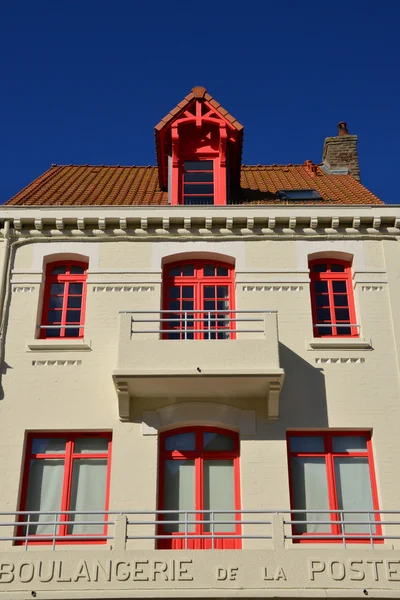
(199, 149)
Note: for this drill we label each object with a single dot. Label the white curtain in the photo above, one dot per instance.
(179, 489)
(219, 493)
(353, 487)
(310, 491)
(88, 492)
(44, 493)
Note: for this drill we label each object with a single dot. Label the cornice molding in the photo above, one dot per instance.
(200, 224)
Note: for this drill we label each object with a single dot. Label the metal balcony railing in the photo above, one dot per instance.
(32, 527)
(198, 324)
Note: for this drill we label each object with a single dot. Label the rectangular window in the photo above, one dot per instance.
(66, 472)
(63, 312)
(332, 472)
(198, 182)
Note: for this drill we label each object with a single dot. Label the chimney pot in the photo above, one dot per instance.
(342, 128)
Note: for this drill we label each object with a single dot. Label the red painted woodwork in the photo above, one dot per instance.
(69, 457)
(329, 456)
(332, 298)
(64, 300)
(198, 285)
(198, 455)
(199, 133)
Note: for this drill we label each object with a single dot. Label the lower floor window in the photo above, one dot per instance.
(199, 484)
(66, 472)
(332, 471)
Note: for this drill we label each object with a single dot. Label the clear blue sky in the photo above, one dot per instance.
(84, 82)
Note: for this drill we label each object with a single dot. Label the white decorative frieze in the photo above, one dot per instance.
(23, 288)
(272, 288)
(372, 288)
(123, 288)
(56, 363)
(341, 361)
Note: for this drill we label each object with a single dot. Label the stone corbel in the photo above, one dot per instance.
(377, 223)
(335, 223)
(38, 224)
(123, 400)
(314, 222)
(80, 222)
(60, 224)
(123, 223)
(273, 400)
(143, 223)
(271, 222)
(292, 222)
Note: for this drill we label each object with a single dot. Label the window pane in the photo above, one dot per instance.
(347, 443)
(322, 300)
(199, 165)
(339, 286)
(340, 300)
(178, 493)
(187, 291)
(48, 445)
(310, 491)
(73, 316)
(53, 316)
(222, 291)
(319, 268)
(335, 268)
(75, 288)
(174, 292)
(74, 301)
(323, 314)
(57, 288)
(209, 271)
(71, 332)
(59, 270)
(188, 270)
(44, 493)
(342, 314)
(353, 486)
(216, 441)
(53, 332)
(201, 188)
(222, 271)
(209, 291)
(89, 444)
(219, 493)
(56, 301)
(88, 492)
(206, 176)
(175, 271)
(307, 444)
(321, 286)
(75, 269)
(181, 441)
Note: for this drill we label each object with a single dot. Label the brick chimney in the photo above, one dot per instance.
(340, 153)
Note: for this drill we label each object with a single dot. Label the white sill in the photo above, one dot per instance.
(58, 344)
(339, 344)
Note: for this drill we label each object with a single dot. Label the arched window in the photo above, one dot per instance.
(199, 471)
(63, 314)
(198, 296)
(332, 299)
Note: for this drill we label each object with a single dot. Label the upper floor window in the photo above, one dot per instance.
(199, 471)
(198, 296)
(63, 314)
(198, 182)
(332, 299)
(66, 472)
(332, 471)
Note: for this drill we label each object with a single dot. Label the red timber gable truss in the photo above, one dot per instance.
(198, 151)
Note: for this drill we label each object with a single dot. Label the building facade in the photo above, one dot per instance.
(200, 375)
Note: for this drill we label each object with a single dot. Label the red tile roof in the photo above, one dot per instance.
(127, 186)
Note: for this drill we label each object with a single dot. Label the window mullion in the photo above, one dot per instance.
(66, 489)
(333, 503)
(332, 306)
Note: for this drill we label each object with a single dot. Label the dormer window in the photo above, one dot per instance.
(199, 147)
(198, 182)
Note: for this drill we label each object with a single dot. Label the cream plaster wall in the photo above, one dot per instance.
(72, 388)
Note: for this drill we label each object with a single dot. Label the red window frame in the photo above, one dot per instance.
(199, 281)
(69, 457)
(177, 542)
(329, 456)
(187, 194)
(67, 279)
(332, 296)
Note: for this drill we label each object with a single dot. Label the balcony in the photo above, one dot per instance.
(269, 563)
(236, 356)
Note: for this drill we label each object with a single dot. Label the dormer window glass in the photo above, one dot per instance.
(198, 182)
